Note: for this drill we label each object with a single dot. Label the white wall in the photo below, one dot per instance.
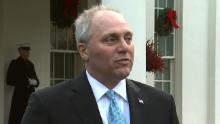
(25, 21)
(135, 13)
(194, 61)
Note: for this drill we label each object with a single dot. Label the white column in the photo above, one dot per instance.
(217, 65)
(135, 13)
(194, 61)
(150, 15)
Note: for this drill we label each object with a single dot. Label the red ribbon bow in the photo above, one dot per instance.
(70, 8)
(171, 18)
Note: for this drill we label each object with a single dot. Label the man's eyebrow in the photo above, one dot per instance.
(129, 32)
(111, 34)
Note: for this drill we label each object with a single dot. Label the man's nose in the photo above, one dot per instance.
(123, 45)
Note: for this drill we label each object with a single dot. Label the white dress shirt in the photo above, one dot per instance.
(103, 102)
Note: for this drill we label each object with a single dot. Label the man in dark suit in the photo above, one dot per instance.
(102, 94)
(21, 74)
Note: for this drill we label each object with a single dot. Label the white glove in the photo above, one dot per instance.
(32, 82)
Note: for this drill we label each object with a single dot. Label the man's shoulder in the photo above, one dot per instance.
(59, 87)
(143, 86)
(55, 92)
(149, 91)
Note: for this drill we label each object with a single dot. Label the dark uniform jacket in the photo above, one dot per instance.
(18, 73)
(73, 102)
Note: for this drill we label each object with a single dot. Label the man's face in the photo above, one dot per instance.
(109, 53)
(24, 53)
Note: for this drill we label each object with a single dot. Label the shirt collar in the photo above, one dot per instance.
(99, 89)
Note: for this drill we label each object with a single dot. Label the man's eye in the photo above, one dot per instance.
(110, 39)
(128, 39)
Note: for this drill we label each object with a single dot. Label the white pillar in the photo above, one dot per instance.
(150, 15)
(194, 61)
(135, 13)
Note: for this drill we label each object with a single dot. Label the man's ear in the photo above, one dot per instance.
(83, 51)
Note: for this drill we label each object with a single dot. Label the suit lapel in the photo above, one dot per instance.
(85, 102)
(136, 103)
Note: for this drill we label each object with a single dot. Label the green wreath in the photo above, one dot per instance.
(63, 12)
(165, 22)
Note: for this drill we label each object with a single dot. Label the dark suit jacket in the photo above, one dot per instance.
(73, 102)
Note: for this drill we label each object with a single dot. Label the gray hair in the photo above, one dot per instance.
(83, 23)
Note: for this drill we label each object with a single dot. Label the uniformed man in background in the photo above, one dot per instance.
(21, 74)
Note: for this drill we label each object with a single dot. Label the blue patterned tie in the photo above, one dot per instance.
(115, 115)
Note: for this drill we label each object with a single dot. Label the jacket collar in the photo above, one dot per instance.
(136, 103)
(84, 101)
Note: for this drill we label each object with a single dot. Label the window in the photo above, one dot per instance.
(65, 59)
(166, 47)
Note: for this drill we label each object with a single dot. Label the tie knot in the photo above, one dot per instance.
(110, 94)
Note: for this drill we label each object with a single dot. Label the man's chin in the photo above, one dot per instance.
(124, 73)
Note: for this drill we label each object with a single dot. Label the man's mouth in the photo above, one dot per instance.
(123, 61)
